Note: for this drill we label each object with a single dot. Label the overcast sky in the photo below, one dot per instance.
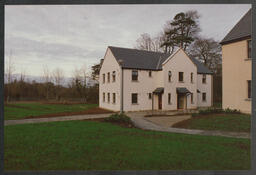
(72, 36)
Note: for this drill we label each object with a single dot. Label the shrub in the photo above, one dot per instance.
(215, 111)
(119, 118)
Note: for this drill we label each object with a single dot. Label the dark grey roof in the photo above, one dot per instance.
(201, 69)
(182, 90)
(141, 59)
(159, 90)
(241, 30)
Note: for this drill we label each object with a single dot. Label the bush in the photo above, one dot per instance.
(119, 118)
(215, 111)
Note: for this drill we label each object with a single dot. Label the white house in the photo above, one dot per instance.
(135, 80)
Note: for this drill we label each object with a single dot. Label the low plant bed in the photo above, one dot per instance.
(219, 121)
(120, 119)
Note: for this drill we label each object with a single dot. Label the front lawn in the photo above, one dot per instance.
(90, 145)
(22, 110)
(222, 122)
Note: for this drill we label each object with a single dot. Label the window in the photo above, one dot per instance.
(108, 97)
(103, 97)
(114, 97)
(150, 73)
(180, 76)
(249, 48)
(204, 79)
(114, 76)
(249, 84)
(108, 77)
(192, 98)
(134, 98)
(134, 75)
(204, 96)
(149, 96)
(103, 78)
(170, 76)
(191, 77)
(169, 98)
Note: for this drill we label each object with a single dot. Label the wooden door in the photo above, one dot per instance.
(180, 101)
(160, 101)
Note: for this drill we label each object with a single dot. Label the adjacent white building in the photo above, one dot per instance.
(136, 80)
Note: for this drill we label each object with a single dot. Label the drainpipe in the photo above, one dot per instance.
(121, 87)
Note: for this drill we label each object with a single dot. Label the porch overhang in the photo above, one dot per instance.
(158, 90)
(182, 90)
(198, 91)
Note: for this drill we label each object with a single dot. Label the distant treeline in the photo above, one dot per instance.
(26, 91)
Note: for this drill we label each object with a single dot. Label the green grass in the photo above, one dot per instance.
(222, 122)
(87, 145)
(22, 110)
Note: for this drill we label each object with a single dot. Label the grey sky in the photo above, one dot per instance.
(72, 36)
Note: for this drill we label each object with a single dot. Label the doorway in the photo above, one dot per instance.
(159, 101)
(181, 101)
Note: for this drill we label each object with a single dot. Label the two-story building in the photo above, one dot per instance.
(135, 80)
(237, 66)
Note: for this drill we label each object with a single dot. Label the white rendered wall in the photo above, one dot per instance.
(207, 88)
(180, 62)
(109, 65)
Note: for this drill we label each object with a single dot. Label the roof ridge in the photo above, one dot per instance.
(137, 49)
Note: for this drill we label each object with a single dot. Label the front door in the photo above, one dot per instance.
(180, 101)
(160, 101)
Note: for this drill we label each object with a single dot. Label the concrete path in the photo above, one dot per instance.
(54, 119)
(141, 122)
(167, 121)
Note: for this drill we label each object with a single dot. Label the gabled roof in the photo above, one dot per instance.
(242, 30)
(139, 59)
(147, 60)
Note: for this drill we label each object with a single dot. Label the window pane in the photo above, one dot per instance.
(180, 76)
(134, 98)
(249, 88)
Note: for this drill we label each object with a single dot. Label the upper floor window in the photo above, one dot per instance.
(108, 77)
(181, 76)
(170, 76)
(134, 98)
(204, 79)
(191, 77)
(169, 98)
(114, 76)
(150, 73)
(103, 97)
(249, 84)
(249, 48)
(134, 75)
(114, 97)
(204, 96)
(103, 78)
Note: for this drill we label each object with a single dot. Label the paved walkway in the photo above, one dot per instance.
(139, 120)
(167, 121)
(142, 122)
(54, 119)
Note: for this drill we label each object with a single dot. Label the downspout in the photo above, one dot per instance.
(121, 87)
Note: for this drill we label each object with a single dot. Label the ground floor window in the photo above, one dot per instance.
(149, 96)
(108, 97)
(204, 96)
(134, 98)
(103, 97)
(114, 97)
(169, 98)
(249, 84)
(192, 98)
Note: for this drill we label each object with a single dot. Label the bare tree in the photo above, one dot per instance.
(46, 79)
(10, 68)
(22, 75)
(58, 78)
(208, 51)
